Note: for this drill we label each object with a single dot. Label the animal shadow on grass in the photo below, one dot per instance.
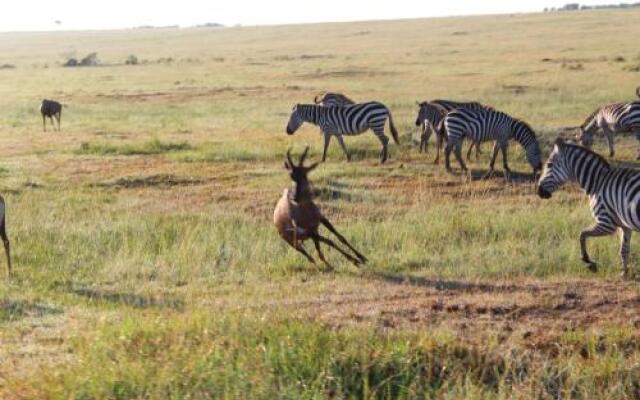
(129, 299)
(514, 177)
(441, 284)
(12, 310)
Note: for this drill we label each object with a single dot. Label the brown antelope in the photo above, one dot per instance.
(3, 234)
(297, 218)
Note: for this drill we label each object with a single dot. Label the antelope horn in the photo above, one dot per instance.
(303, 156)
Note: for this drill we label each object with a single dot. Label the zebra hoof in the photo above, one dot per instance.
(592, 266)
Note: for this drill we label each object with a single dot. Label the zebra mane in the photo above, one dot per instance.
(592, 154)
(524, 133)
(589, 118)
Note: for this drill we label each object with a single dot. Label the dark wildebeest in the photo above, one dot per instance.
(297, 218)
(50, 108)
(3, 233)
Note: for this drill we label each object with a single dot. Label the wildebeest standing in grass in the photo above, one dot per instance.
(352, 119)
(3, 233)
(297, 218)
(51, 109)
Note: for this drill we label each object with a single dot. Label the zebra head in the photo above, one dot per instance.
(555, 172)
(534, 157)
(295, 121)
(585, 137)
(421, 113)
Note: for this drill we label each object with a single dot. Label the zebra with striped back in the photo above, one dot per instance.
(333, 99)
(614, 194)
(431, 118)
(485, 124)
(51, 109)
(345, 120)
(611, 118)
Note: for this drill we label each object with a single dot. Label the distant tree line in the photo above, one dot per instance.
(577, 7)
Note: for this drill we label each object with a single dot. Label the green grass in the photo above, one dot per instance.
(147, 265)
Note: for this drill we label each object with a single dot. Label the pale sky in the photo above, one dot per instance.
(41, 15)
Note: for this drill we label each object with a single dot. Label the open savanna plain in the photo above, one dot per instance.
(147, 265)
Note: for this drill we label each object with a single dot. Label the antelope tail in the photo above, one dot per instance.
(394, 132)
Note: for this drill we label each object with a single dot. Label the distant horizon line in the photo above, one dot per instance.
(219, 25)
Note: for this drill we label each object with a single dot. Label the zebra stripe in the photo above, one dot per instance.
(485, 124)
(614, 193)
(346, 120)
(431, 117)
(611, 118)
(333, 99)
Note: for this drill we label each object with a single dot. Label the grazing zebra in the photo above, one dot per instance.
(50, 108)
(611, 118)
(345, 120)
(614, 194)
(488, 124)
(333, 99)
(431, 117)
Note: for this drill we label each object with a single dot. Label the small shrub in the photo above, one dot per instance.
(132, 60)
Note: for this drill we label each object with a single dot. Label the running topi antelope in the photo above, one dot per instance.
(488, 124)
(50, 108)
(614, 194)
(352, 119)
(3, 233)
(611, 118)
(297, 218)
(333, 99)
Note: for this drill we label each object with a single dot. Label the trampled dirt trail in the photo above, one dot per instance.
(531, 311)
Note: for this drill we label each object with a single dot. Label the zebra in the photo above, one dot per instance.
(50, 108)
(614, 194)
(333, 99)
(431, 119)
(611, 118)
(488, 124)
(346, 120)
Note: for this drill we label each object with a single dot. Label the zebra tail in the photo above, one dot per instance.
(394, 132)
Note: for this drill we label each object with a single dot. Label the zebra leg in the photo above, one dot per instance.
(594, 231)
(379, 132)
(625, 243)
(458, 153)
(609, 135)
(52, 123)
(478, 151)
(505, 164)
(469, 151)
(492, 163)
(327, 139)
(58, 120)
(344, 148)
(440, 141)
(316, 242)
